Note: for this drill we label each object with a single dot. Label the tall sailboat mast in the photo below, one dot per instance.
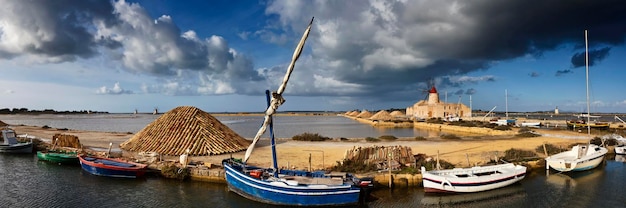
(587, 82)
(506, 105)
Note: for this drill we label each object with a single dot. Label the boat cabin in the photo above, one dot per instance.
(8, 137)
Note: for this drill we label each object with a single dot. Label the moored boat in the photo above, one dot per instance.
(9, 143)
(290, 188)
(531, 124)
(620, 149)
(293, 188)
(474, 179)
(579, 158)
(582, 124)
(59, 157)
(111, 167)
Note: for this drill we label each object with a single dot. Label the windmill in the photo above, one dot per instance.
(426, 91)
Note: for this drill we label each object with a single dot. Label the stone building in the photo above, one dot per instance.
(434, 108)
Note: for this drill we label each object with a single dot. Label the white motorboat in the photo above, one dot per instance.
(474, 179)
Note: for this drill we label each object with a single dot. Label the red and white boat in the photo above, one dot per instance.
(474, 179)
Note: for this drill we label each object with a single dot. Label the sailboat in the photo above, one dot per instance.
(580, 157)
(506, 121)
(290, 187)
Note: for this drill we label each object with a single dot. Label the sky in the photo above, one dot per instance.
(221, 56)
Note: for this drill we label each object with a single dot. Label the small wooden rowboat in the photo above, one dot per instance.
(112, 167)
(59, 157)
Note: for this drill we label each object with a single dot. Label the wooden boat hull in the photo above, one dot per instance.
(284, 193)
(17, 148)
(111, 167)
(448, 181)
(570, 161)
(574, 125)
(58, 157)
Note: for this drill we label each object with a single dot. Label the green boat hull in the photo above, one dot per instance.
(69, 158)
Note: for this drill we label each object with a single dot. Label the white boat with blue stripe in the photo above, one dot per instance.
(581, 157)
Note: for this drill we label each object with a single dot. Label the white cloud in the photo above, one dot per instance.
(115, 90)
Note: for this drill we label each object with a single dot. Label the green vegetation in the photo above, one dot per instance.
(310, 137)
(551, 149)
(518, 155)
(431, 163)
(371, 139)
(526, 132)
(434, 121)
(353, 167)
(388, 137)
(420, 138)
(502, 128)
(450, 137)
(607, 142)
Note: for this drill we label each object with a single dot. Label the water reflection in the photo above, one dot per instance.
(512, 194)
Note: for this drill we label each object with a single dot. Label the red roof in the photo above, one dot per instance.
(432, 90)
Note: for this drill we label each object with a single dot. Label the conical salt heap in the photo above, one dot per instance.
(382, 115)
(183, 128)
(364, 114)
(396, 113)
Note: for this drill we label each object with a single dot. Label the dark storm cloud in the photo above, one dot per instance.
(61, 30)
(385, 47)
(595, 56)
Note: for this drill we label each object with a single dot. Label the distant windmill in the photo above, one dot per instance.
(426, 92)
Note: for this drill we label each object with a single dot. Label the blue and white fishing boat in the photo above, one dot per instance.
(288, 187)
(9, 143)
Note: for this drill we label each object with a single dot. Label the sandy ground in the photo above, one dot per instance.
(325, 154)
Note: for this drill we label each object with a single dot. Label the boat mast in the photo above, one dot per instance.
(587, 82)
(277, 98)
(506, 105)
(272, 140)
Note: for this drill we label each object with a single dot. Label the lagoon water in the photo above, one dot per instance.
(27, 182)
(246, 126)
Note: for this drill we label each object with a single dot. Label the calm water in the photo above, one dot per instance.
(27, 182)
(246, 126)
